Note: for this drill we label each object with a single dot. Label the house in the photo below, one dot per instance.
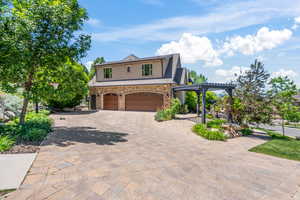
(137, 84)
(297, 100)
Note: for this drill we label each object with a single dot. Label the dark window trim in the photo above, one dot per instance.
(145, 71)
(109, 73)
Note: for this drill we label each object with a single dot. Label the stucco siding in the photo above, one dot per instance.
(119, 71)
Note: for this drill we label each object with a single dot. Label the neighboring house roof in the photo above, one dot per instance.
(297, 97)
(173, 72)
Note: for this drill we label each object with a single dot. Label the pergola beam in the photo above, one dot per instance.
(203, 88)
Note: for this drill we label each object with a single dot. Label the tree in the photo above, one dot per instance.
(282, 93)
(197, 79)
(41, 35)
(98, 60)
(251, 99)
(75, 87)
(191, 96)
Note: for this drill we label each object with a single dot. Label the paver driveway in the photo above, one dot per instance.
(127, 155)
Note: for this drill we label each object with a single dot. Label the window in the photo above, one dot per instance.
(147, 69)
(107, 72)
(128, 69)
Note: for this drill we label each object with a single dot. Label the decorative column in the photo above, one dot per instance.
(230, 101)
(198, 103)
(204, 90)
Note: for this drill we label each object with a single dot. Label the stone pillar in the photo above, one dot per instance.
(121, 101)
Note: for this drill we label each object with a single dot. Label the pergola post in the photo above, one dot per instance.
(204, 90)
(229, 116)
(198, 103)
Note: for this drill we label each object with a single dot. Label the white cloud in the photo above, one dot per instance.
(88, 64)
(284, 72)
(192, 49)
(263, 40)
(297, 22)
(230, 74)
(153, 2)
(94, 22)
(226, 17)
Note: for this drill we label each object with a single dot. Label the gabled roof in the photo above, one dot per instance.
(131, 57)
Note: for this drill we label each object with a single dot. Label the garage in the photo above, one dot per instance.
(143, 101)
(110, 102)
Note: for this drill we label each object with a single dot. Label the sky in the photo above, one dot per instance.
(217, 38)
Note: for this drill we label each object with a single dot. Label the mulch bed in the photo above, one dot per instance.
(24, 147)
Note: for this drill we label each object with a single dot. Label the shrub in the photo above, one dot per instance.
(164, 115)
(216, 123)
(36, 127)
(246, 131)
(184, 109)
(169, 113)
(66, 103)
(202, 130)
(6, 143)
(175, 106)
(34, 134)
(210, 116)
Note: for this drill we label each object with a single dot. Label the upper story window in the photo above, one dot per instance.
(147, 69)
(107, 73)
(128, 69)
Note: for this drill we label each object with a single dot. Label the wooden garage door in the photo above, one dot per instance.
(110, 102)
(144, 101)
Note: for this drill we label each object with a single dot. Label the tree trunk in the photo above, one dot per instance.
(36, 107)
(27, 89)
(24, 110)
(282, 124)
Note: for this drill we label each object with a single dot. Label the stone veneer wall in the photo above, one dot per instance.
(122, 91)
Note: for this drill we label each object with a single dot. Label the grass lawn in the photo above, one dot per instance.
(279, 146)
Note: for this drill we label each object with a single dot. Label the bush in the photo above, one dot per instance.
(175, 106)
(202, 130)
(164, 115)
(246, 131)
(216, 123)
(6, 143)
(34, 134)
(184, 109)
(210, 116)
(67, 103)
(36, 127)
(168, 114)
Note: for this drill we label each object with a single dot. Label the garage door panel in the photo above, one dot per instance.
(110, 102)
(144, 102)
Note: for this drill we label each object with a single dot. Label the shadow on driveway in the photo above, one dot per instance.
(66, 136)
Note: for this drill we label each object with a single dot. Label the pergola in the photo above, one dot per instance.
(203, 88)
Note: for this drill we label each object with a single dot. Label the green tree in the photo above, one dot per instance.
(197, 78)
(251, 99)
(72, 86)
(282, 93)
(191, 96)
(97, 61)
(40, 36)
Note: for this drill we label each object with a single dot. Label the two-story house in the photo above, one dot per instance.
(137, 84)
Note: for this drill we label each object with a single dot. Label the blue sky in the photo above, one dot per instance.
(214, 37)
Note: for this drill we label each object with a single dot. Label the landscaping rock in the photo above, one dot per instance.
(9, 114)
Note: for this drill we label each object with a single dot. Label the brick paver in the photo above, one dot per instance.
(127, 155)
